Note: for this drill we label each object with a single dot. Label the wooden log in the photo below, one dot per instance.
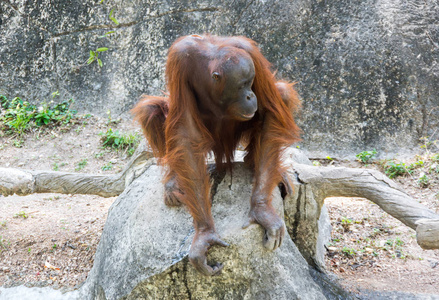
(25, 182)
(364, 183)
(318, 183)
(427, 234)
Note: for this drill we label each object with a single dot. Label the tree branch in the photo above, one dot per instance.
(25, 182)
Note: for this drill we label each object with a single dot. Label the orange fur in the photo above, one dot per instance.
(151, 113)
(182, 136)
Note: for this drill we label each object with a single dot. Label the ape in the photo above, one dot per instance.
(221, 93)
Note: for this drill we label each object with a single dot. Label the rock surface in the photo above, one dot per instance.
(368, 72)
(306, 215)
(142, 250)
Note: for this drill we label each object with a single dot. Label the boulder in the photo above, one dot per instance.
(142, 252)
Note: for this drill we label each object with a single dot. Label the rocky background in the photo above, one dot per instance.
(367, 70)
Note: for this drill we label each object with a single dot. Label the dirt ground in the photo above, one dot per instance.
(371, 250)
(50, 239)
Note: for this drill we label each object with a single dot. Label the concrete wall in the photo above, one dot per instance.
(367, 70)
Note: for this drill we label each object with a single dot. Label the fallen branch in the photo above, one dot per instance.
(427, 234)
(365, 183)
(313, 185)
(25, 182)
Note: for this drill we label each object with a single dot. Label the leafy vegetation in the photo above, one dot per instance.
(423, 180)
(81, 164)
(107, 167)
(18, 115)
(120, 141)
(366, 156)
(350, 252)
(423, 170)
(94, 56)
(21, 214)
(394, 169)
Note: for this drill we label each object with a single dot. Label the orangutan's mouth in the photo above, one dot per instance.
(247, 117)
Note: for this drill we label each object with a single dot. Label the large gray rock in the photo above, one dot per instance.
(367, 71)
(306, 215)
(142, 252)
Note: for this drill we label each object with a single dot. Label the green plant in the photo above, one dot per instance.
(17, 115)
(418, 164)
(20, 123)
(3, 224)
(81, 164)
(107, 167)
(131, 151)
(389, 243)
(3, 101)
(396, 246)
(396, 243)
(113, 18)
(120, 141)
(423, 180)
(21, 214)
(350, 252)
(366, 156)
(56, 165)
(393, 169)
(316, 163)
(346, 221)
(18, 143)
(427, 142)
(3, 244)
(94, 56)
(399, 242)
(434, 168)
(346, 224)
(20, 115)
(99, 155)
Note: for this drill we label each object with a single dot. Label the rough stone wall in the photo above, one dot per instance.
(367, 70)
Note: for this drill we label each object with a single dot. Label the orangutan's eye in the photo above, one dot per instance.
(216, 76)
